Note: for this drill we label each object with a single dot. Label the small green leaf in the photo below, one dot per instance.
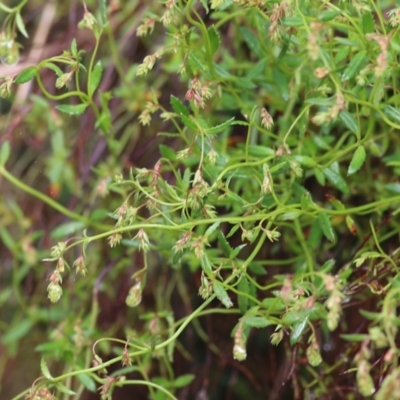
(21, 25)
(294, 21)
(63, 389)
(333, 175)
(281, 81)
(219, 128)
(392, 113)
(222, 294)
(393, 187)
(326, 226)
(354, 337)
(236, 251)
(315, 237)
(74, 49)
(183, 380)
(17, 331)
(357, 161)
(189, 123)
(305, 160)
(350, 121)
(257, 322)
(178, 106)
(87, 381)
(103, 12)
(225, 246)
(212, 228)
(355, 65)
(320, 101)
(5, 152)
(328, 15)
(67, 229)
(45, 370)
(252, 41)
(167, 152)
(72, 109)
(297, 330)
(214, 38)
(95, 78)
(26, 75)
(243, 301)
(368, 23)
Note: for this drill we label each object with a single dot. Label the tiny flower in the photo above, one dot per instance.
(58, 250)
(63, 80)
(88, 21)
(277, 336)
(114, 239)
(135, 295)
(79, 264)
(394, 17)
(54, 292)
(239, 348)
(143, 239)
(321, 72)
(146, 27)
(266, 119)
(126, 359)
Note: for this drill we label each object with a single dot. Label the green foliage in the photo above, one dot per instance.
(249, 114)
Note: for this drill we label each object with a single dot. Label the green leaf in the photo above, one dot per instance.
(17, 331)
(297, 330)
(87, 381)
(167, 152)
(205, 5)
(219, 128)
(183, 380)
(225, 246)
(294, 21)
(355, 65)
(72, 109)
(45, 370)
(5, 152)
(357, 161)
(333, 175)
(95, 78)
(222, 294)
(178, 106)
(315, 237)
(21, 25)
(243, 301)
(257, 322)
(350, 121)
(393, 187)
(74, 49)
(26, 75)
(63, 389)
(236, 251)
(373, 316)
(214, 38)
(103, 12)
(305, 160)
(354, 337)
(252, 41)
(326, 226)
(328, 15)
(212, 228)
(67, 229)
(392, 113)
(319, 101)
(281, 81)
(189, 123)
(368, 23)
